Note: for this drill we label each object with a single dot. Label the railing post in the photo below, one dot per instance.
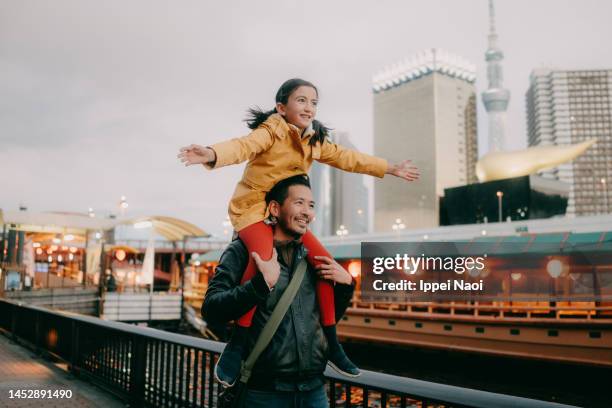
(137, 371)
(37, 335)
(14, 322)
(74, 355)
(332, 394)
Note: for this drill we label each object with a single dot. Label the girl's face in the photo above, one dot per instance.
(301, 107)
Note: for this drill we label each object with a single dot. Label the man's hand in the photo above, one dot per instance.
(332, 270)
(405, 170)
(196, 154)
(269, 269)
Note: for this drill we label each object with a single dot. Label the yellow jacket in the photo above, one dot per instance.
(276, 151)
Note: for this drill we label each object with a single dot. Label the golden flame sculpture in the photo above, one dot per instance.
(503, 165)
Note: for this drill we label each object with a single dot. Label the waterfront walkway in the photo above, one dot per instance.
(21, 369)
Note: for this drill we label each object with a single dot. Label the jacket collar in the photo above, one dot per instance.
(308, 132)
(297, 244)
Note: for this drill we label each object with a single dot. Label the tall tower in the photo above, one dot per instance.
(424, 110)
(568, 107)
(495, 98)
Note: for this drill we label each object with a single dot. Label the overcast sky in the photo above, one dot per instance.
(96, 97)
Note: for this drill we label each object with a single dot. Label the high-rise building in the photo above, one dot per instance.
(341, 198)
(425, 111)
(349, 195)
(567, 107)
(320, 182)
(495, 98)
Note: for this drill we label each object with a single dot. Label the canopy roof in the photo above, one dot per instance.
(56, 222)
(173, 229)
(170, 228)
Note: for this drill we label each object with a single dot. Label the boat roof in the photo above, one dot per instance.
(557, 234)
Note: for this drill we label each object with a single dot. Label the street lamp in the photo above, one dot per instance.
(500, 194)
(123, 205)
(362, 220)
(398, 226)
(341, 231)
(604, 187)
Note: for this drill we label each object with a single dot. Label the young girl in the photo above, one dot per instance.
(284, 142)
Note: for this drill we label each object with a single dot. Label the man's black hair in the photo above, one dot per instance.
(280, 191)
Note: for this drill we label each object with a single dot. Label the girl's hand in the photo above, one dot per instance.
(332, 270)
(405, 170)
(196, 154)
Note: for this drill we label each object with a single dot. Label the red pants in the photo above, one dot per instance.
(258, 238)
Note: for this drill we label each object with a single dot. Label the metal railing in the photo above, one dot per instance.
(149, 367)
(78, 299)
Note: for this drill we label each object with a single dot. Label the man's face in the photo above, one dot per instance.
(297, 211)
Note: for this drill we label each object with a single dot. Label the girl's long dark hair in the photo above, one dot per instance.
(256, 116)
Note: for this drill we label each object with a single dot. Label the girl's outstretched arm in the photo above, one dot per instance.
(351, 160)
(356, 162)
(233, 151)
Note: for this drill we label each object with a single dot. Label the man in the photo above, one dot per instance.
(289, 372)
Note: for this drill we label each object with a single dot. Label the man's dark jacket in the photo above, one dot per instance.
(297, 354)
